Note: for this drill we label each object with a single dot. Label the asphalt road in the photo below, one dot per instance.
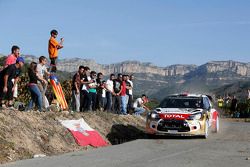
(229, 148)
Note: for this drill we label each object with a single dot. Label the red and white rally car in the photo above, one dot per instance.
(183, 114)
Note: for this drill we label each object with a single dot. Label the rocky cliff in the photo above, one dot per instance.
(242, 69)
(225, 68)
(129, 67)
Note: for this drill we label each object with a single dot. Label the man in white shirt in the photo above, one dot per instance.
(109, 86)
(130, 93)
(139, 106)
(42, 71)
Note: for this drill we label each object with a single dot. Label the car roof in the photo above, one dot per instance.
(187, 95)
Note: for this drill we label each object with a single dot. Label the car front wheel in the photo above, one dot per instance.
(205, 136)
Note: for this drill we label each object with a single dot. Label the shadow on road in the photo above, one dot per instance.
(124, 133)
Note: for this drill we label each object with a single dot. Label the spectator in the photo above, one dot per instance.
(42, 71)
(139, 106)
(103, 100)
(6, 84)
(233, 106)
(109, 86)
(124, 96)
(220, 102)
(99, 90)
(92, 91)
(36, 95)
(84, 94)
(53, 49)
(130, 93)
(11, 59)
(116, 106)
(76, 83)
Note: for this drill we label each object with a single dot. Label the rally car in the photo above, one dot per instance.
(183, 114)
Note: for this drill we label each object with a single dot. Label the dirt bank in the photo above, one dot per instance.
(23, 135)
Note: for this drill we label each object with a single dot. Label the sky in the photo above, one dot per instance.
(163, 32)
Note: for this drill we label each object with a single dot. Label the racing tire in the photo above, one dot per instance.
(216, 125)
(206, 131)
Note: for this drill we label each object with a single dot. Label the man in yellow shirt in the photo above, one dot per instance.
(220, 102)
(53, 49)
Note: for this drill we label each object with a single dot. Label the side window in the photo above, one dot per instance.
(206, 103)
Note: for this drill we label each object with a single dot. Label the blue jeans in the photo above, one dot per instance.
(36, 97)
(124, 104)
(139, 110)
(109, 101)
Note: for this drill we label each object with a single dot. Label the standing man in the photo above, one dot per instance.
(6, 84)
(130, 93)
(53, 48)
(76, 86)
(124, 95)
(220, 102)
(248, 94)
(116, 106)
(11, 59)
(92, 91)
(109, 86)
(41, 72)
(85, 101)
(99, 90)
(233, 106)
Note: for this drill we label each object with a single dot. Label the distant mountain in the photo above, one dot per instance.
(158, 81)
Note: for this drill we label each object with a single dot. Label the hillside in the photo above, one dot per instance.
(23, 135)
(156, 81)
(239, 89)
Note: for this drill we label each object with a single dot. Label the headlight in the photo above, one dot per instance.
(195, 116)
(155, 116)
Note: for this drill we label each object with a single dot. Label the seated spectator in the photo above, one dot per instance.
(139, 106)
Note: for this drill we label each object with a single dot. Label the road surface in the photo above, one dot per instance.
(229, 148)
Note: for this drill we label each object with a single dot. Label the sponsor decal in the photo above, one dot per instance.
(174, 116)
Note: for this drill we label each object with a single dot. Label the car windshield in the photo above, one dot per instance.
(181, 102)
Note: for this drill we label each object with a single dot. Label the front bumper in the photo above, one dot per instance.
(175, 127)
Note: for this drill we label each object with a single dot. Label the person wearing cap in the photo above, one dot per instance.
(53, 48)
(6, 84)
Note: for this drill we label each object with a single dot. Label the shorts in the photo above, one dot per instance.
(53, 64)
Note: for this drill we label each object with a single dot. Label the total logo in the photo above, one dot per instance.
(169, 116)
